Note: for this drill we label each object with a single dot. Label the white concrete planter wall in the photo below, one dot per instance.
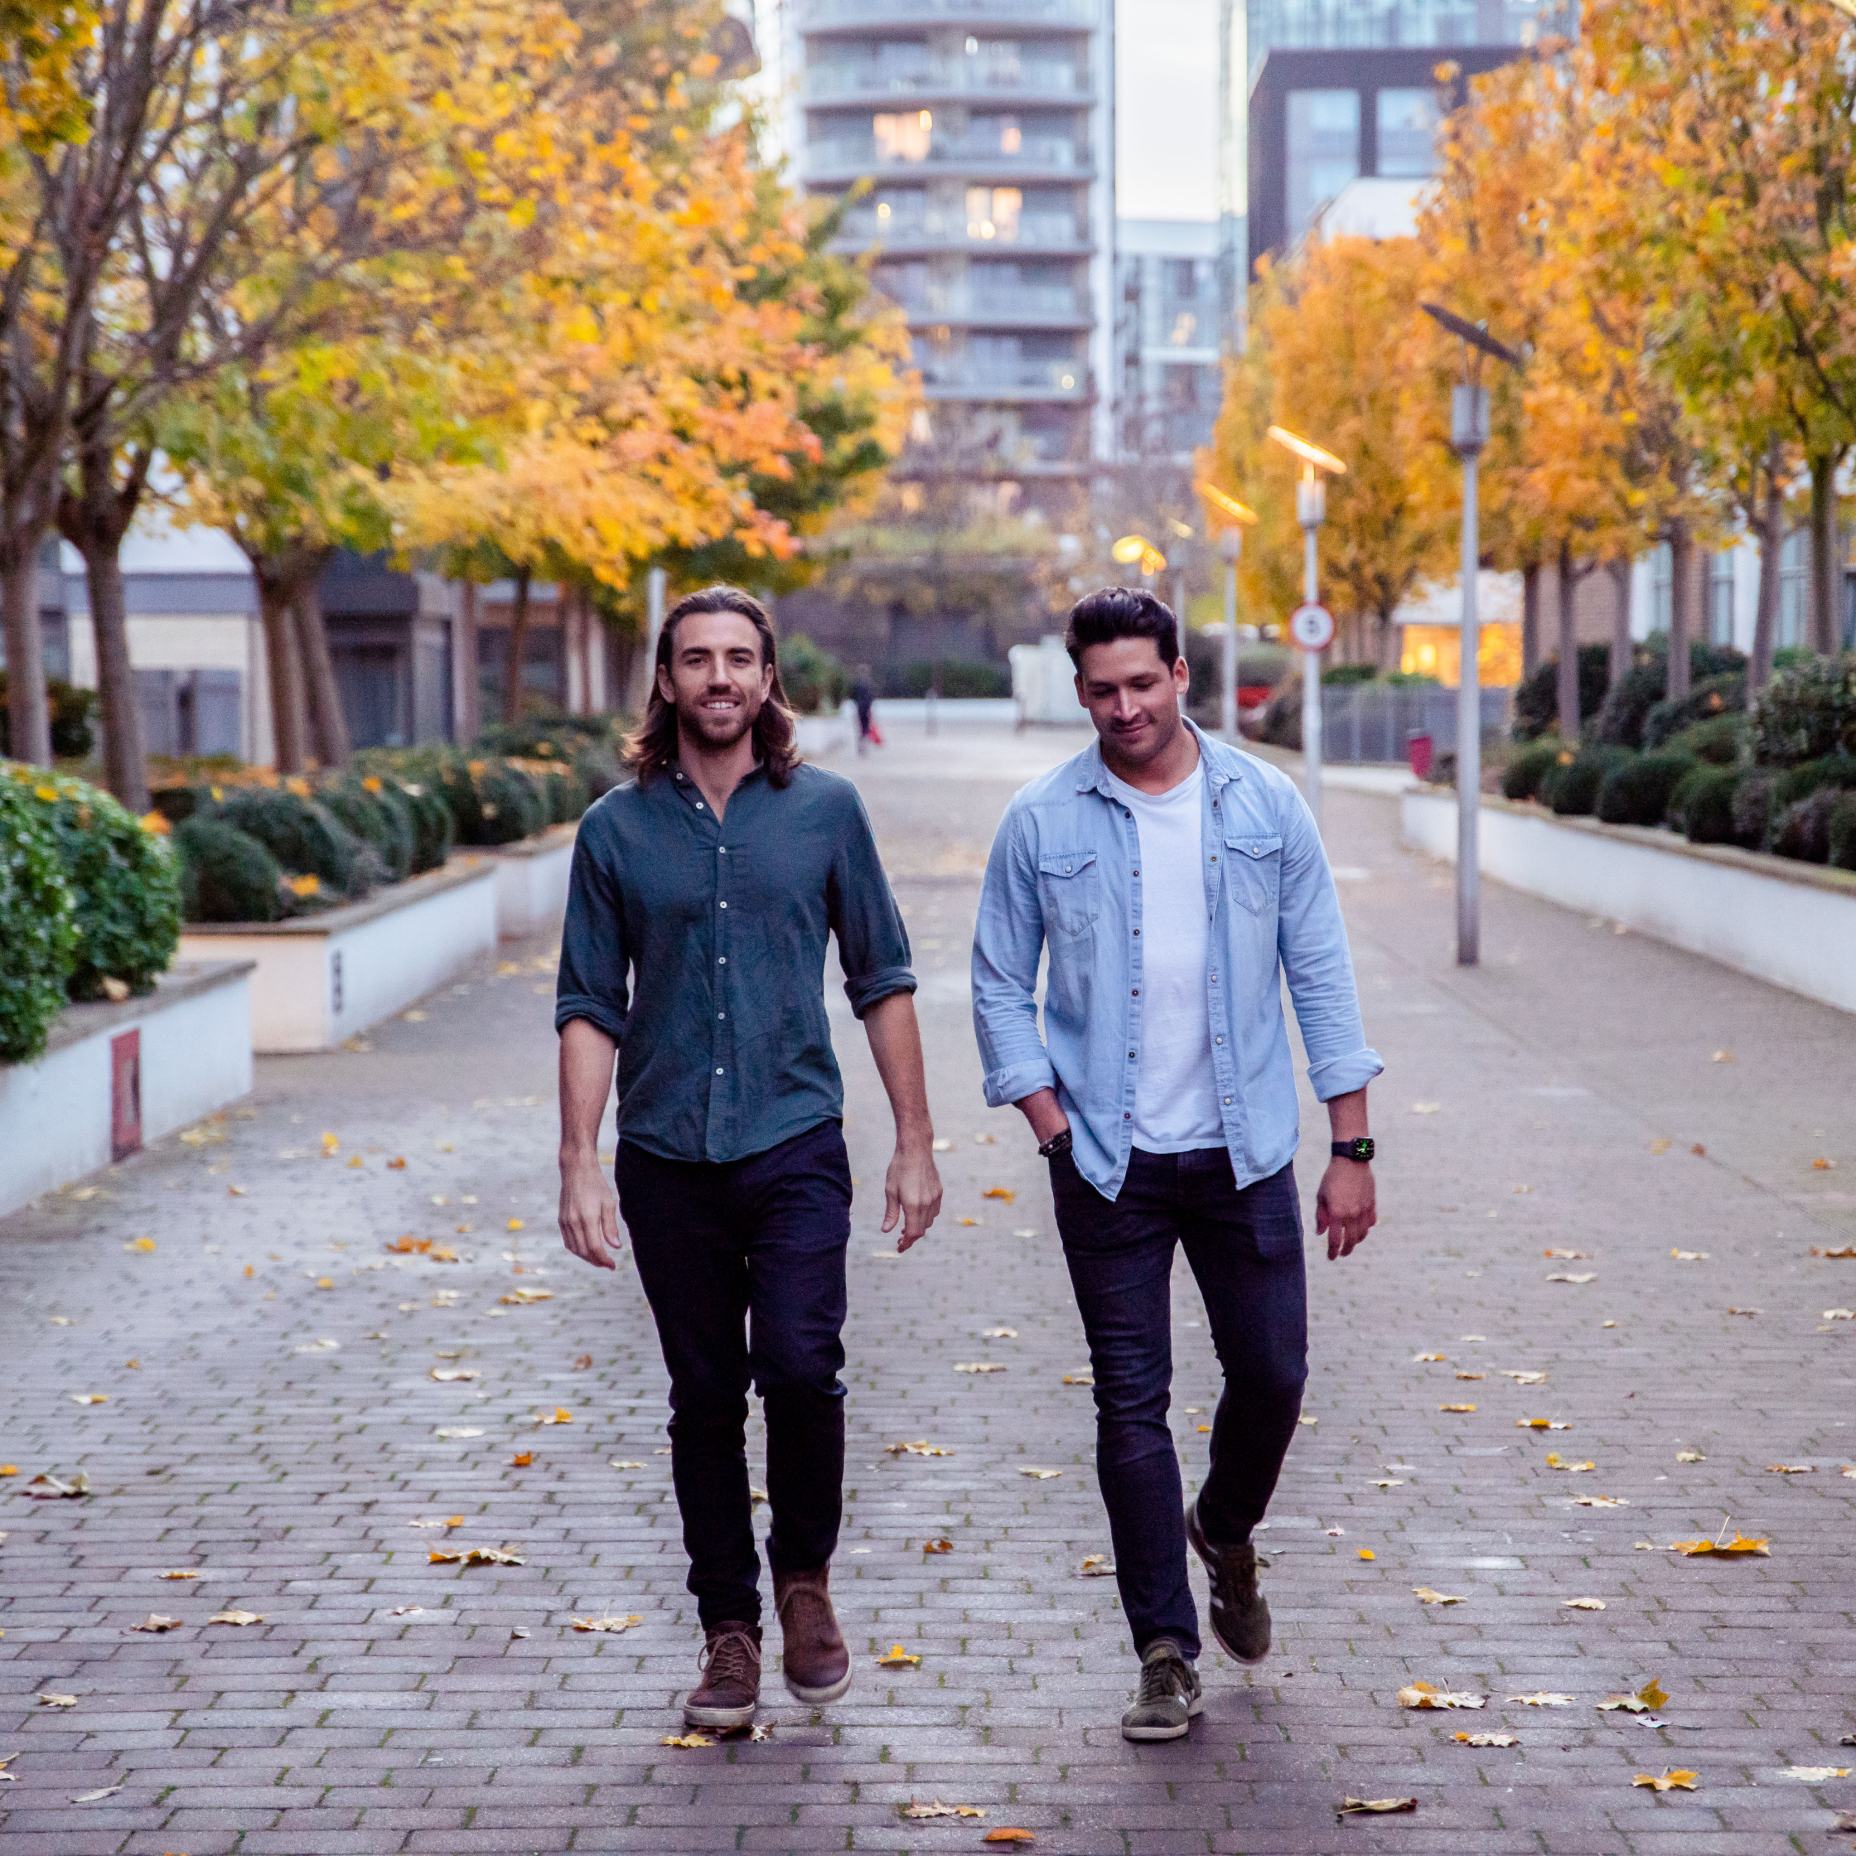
(531, 879)
(323, 978)
(116, 1076)
(1790, 923)
(828, 734)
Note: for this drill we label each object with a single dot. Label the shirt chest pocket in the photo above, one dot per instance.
(1253, 869)
(1070, 890)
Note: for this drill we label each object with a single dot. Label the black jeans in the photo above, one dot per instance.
(1245, 1248)
(743, 1265)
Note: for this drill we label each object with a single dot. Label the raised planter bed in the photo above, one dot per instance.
(531, 879)
(116, 1076)
(1791, 923)
(322, 978)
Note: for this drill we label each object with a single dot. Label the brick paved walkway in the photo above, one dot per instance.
(272, 1424)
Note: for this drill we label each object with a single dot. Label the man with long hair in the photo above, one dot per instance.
(693, 952)
(1176, 883)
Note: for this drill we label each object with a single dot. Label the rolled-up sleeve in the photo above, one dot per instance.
(1312, 940)
(595, 953)
(873, 943)
(1007, 941)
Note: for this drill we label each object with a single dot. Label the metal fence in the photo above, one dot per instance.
(1367, 722)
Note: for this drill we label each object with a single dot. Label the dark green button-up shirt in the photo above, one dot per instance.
(698, 946)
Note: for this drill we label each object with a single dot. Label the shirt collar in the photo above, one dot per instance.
(1221, 764)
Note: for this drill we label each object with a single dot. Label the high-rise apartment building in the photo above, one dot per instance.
(986, 130)
(1169, 378)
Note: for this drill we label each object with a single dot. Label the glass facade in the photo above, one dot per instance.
(1337, 25)
(1407, 125)
(1324, 151)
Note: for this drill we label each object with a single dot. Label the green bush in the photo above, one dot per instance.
(1843, 832)
(304, 836)
(1526, 769)
(1720, 741)
(1702, 806)
(434, 829)
(960, 678)
(1638, 791)
(1753, 808)
(1806, 712)
(1537, 699)
(491, 802)
(813, 679)
(1625, 716)
(384, 824)
(36, 905)
(561, 788)
(1721, 698)
(125, 889)
(226, 874)
(546, 737)
(1795, 783)
(1339, 676)
(1802, 829)
(72, 710)
(1571, 787)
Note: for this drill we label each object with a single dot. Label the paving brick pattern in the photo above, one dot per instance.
(1564, 1096)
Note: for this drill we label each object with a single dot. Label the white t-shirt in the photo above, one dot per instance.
(1175, 1090)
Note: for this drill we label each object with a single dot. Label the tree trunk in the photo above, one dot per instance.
(1771, 546)
(27, 712)
(1622, 650)
(518, 648)
(1681, 607)
(1568, 685)
(125, 756)
(1825, 556)
(284, 657)
(325, 698)
(1530, 618)
(469, 718)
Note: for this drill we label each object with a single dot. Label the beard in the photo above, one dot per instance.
(717, 731)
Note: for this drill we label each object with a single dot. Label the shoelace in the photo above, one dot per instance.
(730, 1658)
(1160, 1680)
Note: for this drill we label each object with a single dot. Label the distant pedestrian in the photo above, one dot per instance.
(1175, 882)
(864, 696)
(694, 950)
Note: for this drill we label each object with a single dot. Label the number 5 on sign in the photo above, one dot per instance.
(1312, 627)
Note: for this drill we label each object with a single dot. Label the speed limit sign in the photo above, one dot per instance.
(1312, 627)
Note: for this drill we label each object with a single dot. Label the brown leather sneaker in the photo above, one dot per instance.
(816, 1663)
(730, 1690)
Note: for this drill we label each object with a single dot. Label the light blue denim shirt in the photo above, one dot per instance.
(1065, 870)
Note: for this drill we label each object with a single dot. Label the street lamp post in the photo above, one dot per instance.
(1469, 433)
(1312, 627)
(1231, 546)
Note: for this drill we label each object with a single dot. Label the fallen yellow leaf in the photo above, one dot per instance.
(1843, 1250)
(1573, 1276)
(1096, 1566)
(1523, 1378)
(236, 1617)
(1541, 1424)
(1456, 1408)
(57, 1701)
(445, 1375)
(686, 1740)
(1426, 1596)
(978, 1366)
(1582, 1604)
(560, 1415)
(181, 1574)
(522, 1297)
(1724, 1549)
(475, 1556)
(1645, 1701)
(1004, 1193)
(1689, 1256)
(1569, 1256)
(1424, 1695)
(966, 1221)
(1472, 1375)
(1690, 1456)
(143, 1244)
(922, 1447)
(898, 1658)
(1547, 1698)
(937, 1808)
(1377, 1807)
(1789, 1469)
(937, 1546)
(90, 1398)
(1416, 1358)
(1600, 1501)
(515, 1224)
(1038, 1475)
(522, 1459)
(613, 1626)
(1676, 1780)
(1008, 1836)
(355, 1160)
(155, 1623)
(1366, 1553)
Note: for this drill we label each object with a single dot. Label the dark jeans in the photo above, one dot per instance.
(743, 1265)
(1245, 1248)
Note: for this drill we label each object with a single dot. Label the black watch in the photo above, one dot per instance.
(1360, 1149)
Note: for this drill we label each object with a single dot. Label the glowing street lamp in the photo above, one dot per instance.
(1311, 624)
(1231, 545)
(1132, 548)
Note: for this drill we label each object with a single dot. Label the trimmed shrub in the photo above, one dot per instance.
(1843, 832)
(1722, 697)
(1624, 718)
(1802, 829)
(40, 941)
(548, 737)
(125, 889)
(1571, 786)
(1522, 776)
(71, 712)
(1753, 799)
(491, 802)
(960, 678)
(1702, 806)
(813, 679)
(1720, 741)
(1795, 783)
(1806, 712)
(379, 815)
(226, 874)
(433, 826)
(1537, 700)
(1637, 792)
(559, 785)
(305, 837)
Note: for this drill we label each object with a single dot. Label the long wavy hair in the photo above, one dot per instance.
(653, 748)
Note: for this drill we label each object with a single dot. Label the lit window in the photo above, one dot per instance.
(1185, 327)
(1011, 139)
(902, 138)
(882, 210)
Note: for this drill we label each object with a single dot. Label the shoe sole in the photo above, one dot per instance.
(720, 1717)
(1196, 1539)
(815, 1697)
(1194, 1708)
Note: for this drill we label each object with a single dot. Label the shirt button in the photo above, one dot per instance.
(721, 850)
(721, 960)
(1217, 1040)
(1214, 859)
(699, 805)
(1227, 1100)
(724, 1015)
(1127, 1117)
(1137, 934)
(1130, 1053)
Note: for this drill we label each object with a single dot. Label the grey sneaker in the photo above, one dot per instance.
(1169, 1695)
(1240, 1613)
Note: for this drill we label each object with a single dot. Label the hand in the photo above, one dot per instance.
(911, 1191)
(1345, 1205)
(589, 1212)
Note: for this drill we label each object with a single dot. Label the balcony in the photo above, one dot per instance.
(966, 376)
(865, 226)
(1073, 15)
(852, 156)
(1043, 305)
(1023, 79)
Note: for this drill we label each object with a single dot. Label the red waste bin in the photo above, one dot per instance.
(1419, 747)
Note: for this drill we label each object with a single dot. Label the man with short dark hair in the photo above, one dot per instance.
(702, 895)
(1175, 882)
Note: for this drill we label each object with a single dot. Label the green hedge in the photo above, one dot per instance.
(1524, 772)
(1571, 787)
(1721, 740)
(1807, 711)
(1637, 791)
(1702, 806)
(1843, 832)
(305, 837)
(227, 875)
(1721, 698)
(36, 905)
(1629, 703)
(72, 710)
(1537, 699)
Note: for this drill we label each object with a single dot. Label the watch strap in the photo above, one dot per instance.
(1361, 1149)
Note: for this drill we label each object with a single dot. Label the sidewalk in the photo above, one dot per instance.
(1563, 1096)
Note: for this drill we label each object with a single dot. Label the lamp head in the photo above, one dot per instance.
(1310, 454)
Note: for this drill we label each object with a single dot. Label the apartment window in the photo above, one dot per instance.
(1721, 597)
(1795, 588)
(1324, 151)
(905, 136)
(1407, 122)
(1185, 329)
(1662, 588)
(992, 212)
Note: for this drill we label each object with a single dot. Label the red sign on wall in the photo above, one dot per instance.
(126, 1094)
